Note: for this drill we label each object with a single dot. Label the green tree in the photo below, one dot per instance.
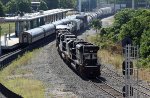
(67, 3)
(133, 29)
(2, 13)
(52, 4)
(145, 44)
(18, 5)
(11, 6)
(43, 5)
(24, 5)
(5, 1)
(123, 17)
(96, 24)
(136, 26)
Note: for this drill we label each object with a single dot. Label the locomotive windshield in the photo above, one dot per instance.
(90, 59)
(90, 56)
(91, 49)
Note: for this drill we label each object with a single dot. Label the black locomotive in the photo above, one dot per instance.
(81, 55)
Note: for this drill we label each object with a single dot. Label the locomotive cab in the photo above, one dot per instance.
(87, 58)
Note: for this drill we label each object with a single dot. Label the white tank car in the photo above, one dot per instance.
(99, 13)
(77, 23)
(107, 10)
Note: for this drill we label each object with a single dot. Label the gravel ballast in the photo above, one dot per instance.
(60, 80)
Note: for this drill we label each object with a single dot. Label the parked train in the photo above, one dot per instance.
(73, 22)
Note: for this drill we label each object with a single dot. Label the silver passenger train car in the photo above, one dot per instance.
(36, 34)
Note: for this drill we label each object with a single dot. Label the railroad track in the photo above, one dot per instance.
(111, 91)
(9, 54)
(101, 85)
(7, 58)
(140, 88)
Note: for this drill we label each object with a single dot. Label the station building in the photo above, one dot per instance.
(28, 21)
(32, 20)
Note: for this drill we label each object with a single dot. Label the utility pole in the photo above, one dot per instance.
(115, 6)
(133, 4)
(0, 42)
(79, 5)
(89, 5)
(9, 31)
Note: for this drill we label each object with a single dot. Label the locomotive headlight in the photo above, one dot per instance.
(91, 51)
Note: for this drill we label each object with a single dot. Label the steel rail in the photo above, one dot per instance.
(109, 89)
(123, 82)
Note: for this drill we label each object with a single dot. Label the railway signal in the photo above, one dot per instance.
(129, 65)
(0, 41)
(128, 89)
(126, 41)
(130, 53)
(79, 5)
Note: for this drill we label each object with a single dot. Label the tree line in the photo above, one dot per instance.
(134, 24)
(13, 6)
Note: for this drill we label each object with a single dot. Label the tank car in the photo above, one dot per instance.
(91, 16)
(84, 19)
(106, 11)
(77, 24)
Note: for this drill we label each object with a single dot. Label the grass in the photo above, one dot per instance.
(109, 58)
(20, 80)
(144, 74)
(116, 60)
(27, 88)
(111, 54)
(5, 27)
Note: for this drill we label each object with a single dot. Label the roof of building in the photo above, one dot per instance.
(31, 16)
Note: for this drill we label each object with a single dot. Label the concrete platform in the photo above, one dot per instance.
(9, 43)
